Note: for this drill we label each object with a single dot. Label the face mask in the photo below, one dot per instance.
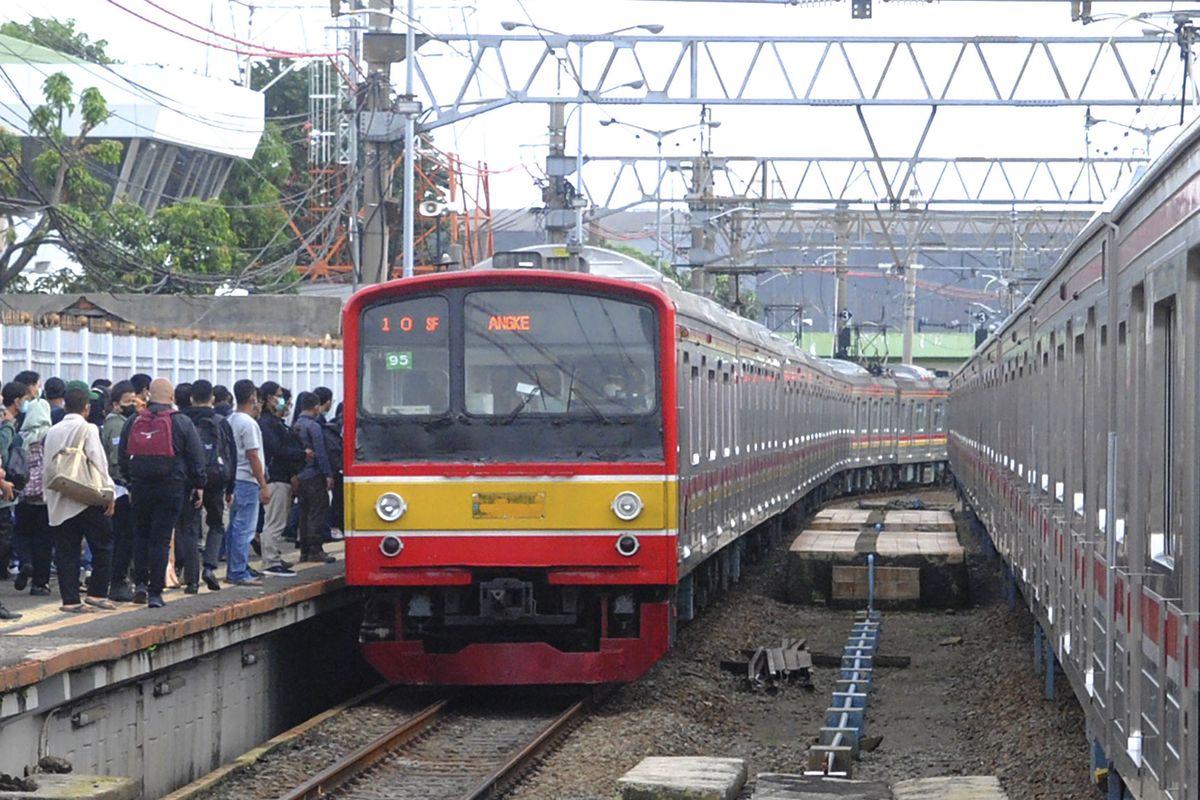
(128, 411)
(280, 403)
(25, 406)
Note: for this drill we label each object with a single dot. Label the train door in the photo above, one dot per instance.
(690, 457)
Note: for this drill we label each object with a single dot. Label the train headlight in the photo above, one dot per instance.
(390, 506)
(628, 545)
(627, 506)
(391, 546)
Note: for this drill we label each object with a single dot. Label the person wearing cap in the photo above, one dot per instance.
(55, 392)
(73, 522)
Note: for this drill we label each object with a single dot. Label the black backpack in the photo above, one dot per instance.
(292, 457)
(333, 447)
(16, 463)
(212, 437)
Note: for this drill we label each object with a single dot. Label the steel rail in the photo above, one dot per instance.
(345, 770)
(528, 754)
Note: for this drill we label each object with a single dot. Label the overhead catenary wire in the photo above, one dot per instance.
(255, 50)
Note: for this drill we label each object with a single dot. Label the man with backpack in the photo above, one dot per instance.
(316, 481)
(34, 539)
(161, 455)
(220, 460)
(284, 459)
(332, 429)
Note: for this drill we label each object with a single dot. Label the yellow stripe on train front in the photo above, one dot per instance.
(466, 504)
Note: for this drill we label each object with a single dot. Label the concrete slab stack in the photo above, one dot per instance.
(919, 561)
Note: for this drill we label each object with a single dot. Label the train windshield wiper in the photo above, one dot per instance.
(535, 391)
(590, 406)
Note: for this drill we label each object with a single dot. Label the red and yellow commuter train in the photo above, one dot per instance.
(546, 469)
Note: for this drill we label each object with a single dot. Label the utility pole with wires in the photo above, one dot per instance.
(841, 261)
(376, 265)
(910, 310)
(558, 196)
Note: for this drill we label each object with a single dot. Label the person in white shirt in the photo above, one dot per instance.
(71, 521)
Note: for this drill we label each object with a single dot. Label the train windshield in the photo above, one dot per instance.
(472, 374)
(557, 354)
(406, 357)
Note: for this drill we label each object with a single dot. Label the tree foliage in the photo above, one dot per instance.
(60, 174)
(254, 196)
(188, 246)
(267, 191)
(60, 36)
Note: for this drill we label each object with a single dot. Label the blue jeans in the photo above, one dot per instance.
(243, 516)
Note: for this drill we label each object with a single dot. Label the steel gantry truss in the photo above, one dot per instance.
(755, 239)
(618, 182)
(939, 71)
(1011, 215)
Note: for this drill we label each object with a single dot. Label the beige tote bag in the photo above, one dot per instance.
(75, 477)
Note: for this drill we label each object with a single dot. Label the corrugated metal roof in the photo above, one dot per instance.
(19, 51)
(147, 101)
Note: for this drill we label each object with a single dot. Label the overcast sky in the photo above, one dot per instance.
(512, 140)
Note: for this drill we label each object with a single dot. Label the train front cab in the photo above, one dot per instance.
(516, 524)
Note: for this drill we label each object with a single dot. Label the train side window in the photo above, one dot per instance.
(938, 412)
(920, 411)
(729, 414)
(696, 418)
(1164, 351)
(713, 412)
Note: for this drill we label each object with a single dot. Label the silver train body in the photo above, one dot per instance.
(763, 427)
(762, 424)
(1074, 435)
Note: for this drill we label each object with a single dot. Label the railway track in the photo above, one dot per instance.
(454, 748)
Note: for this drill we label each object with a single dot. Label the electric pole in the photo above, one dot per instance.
(702, 210)
(559, 216)
(841, 261)
(410, 140)
(375, 263)
(910, 310)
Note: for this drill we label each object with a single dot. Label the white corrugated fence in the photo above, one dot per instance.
(81, 353)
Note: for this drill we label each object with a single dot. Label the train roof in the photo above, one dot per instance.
(1114, 208)
(606, 263)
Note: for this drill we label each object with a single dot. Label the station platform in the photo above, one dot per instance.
(47, 641)
(168, 694)
(918, 559)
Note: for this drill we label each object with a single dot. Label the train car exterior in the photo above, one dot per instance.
(544, 466)
(1073, 434)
